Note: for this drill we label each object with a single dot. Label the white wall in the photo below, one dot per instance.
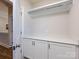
(3, 17)
(26, 19)
(74, 20)
(58, 26)
(51, 26)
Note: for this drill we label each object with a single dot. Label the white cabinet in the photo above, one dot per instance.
(28, 48)
(36, 49)
(61, 51)
(41, 50)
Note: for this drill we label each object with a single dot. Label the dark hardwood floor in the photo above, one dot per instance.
(5, 53)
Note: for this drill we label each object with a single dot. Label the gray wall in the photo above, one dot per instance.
(4, 38)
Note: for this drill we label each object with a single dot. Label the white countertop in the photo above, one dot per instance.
(60, 40)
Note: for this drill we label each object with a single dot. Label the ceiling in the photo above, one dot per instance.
(11, 0)
(7, 2)
(34, 1)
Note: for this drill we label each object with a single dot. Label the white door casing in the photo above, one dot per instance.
(16, 29)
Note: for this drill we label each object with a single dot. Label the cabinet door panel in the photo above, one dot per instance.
(41, 50)
(61, 51)
(28, 48)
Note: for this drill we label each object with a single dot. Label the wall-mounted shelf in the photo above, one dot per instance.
(61, 6)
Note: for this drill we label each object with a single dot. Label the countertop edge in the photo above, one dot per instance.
(70, 41)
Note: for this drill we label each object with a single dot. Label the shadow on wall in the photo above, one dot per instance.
(4, 38)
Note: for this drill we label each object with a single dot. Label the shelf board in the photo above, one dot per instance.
(60, 6)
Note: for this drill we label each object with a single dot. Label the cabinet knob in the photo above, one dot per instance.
(33, 43)
(48, 46)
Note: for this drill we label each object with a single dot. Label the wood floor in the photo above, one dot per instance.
(5, 53)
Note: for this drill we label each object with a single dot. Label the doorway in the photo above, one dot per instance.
(6, 29)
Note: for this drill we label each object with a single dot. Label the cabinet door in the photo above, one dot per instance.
(41, 50)
(61, 51)
(28, 48)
